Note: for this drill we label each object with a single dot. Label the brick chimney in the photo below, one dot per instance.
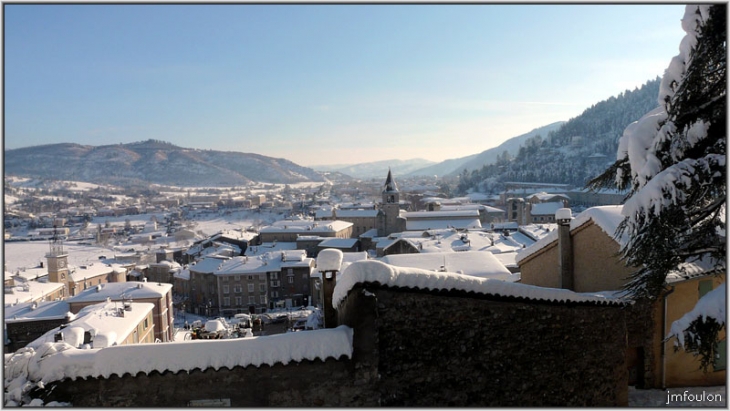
(329, 262)
(565, 248)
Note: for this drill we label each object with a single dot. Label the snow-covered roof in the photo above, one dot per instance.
(79, 273)
(272, 261)
(42, 310)
(339, 242)
(208, 265)
(131, 290)
(544, 197)
(105, 319)
(357, 213)
(548, 209)
(169, 265)
(183, 274)
(448, 214)
(29, 273)
(57, 361)
(30, 290)
(538, 231)
(373, 232)
(371, 271)
(244, 265)
(269, 247)
(481, 264)
(696, 268)
(606, 217)
(427, 224)
(288, 226)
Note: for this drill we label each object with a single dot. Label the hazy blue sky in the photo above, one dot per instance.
(321, 84)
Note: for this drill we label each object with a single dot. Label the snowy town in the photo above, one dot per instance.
(386, 291)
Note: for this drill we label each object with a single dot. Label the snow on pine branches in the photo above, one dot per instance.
(672, 161)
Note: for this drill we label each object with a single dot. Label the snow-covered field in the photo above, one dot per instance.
(28, 254)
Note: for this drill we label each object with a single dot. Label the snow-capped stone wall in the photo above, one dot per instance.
(442, 348)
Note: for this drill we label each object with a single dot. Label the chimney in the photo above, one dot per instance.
(329, 262)
(565, 248)
(329, 280)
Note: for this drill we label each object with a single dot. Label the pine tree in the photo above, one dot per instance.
(672, 161)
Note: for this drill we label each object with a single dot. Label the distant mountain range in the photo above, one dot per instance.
(377, 169)
(561, 152)
(475, 161)
(152, 161)
(572, 153)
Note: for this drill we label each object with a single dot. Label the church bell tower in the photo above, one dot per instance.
(390, 205)
(57, 261)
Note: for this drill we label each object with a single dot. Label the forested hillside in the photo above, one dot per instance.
(579, 150)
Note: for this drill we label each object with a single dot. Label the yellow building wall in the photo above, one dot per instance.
(144, 334)
(683, 368)
(542, 269)
(596, 264)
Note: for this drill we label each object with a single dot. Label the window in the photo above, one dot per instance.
(225, 278)
(290, 271)
(225, 289)
(274, 276)
(274, 294)
(291, 280)
(238, 278)
(239, 301)
(720, 362)
(250, 288)
(262, 288)
(251, 299)
(704, 287)
(226, 301)
(250, 277)
(263, 299)
(275, 283)
(237, 288)
(146, 323)
(305, 276)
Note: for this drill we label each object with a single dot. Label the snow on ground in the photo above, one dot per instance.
(28, 254)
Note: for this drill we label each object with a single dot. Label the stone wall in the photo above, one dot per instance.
(447, 349)
(21, 333)
(413, 348)
(304, 384)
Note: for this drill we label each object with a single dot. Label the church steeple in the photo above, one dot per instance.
(390, 206)
(390, 185)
